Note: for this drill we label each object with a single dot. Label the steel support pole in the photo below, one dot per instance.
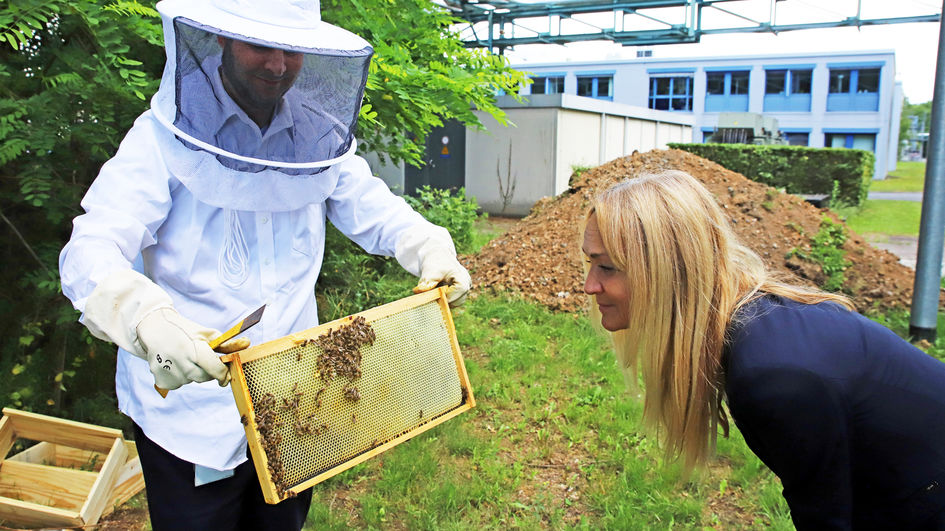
(928, 268)
(490, 32)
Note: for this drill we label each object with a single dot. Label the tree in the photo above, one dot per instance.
(74, 74)
(421, 73)
(916, 118)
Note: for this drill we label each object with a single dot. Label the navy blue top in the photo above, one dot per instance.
(849, 416)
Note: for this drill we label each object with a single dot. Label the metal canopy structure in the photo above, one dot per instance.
(499, 24)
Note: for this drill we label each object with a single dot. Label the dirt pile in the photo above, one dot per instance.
(540, 256)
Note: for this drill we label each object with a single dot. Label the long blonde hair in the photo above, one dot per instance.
(687, 275)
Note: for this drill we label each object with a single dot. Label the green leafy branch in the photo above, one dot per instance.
(421, 74)
(19, 23)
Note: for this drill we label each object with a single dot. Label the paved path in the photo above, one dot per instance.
(896, 196)
(905, 247)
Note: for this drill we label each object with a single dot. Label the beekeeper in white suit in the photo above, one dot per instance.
(214, 204)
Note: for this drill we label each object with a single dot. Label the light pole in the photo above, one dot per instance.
(928, 270)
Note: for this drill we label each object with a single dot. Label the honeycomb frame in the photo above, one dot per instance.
(302, 429)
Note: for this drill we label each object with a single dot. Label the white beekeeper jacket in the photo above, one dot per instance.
(218, 264)
(224, 215)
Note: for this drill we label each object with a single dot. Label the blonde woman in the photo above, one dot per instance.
(848, 415)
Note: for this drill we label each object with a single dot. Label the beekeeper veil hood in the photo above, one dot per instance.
(258, 94)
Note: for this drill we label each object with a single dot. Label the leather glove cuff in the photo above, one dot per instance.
(415, 245)
(118, 304)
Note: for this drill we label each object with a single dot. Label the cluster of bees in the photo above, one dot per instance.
(268, 427)
(308, 426)
(341, 354)
(303, 425)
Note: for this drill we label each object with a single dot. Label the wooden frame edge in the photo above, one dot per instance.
(372, 314)
(81, 435)
(244, 402)
(130, 481)
(37, 514)
(7, 436)
(457, 353)
(101, 491)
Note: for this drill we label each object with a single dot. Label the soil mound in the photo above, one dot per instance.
(540, 256)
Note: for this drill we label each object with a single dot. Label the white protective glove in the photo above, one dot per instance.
(436, 262)
(133, 312)
(179, 350)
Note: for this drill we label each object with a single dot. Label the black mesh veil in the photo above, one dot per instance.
(257, 105)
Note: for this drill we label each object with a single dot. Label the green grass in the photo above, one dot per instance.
(554, 442)
(483, 232)
(900, 218)
(907, 177)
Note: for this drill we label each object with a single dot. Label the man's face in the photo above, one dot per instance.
(255, 76)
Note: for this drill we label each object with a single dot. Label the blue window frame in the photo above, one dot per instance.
(671, 93)
(797, 138)
(788, 89)
(853, 89)
(596, 86)
(851, 140)
(548, 84)
(726, 91)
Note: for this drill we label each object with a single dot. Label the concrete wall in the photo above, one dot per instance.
(552, 135)
(531, 143)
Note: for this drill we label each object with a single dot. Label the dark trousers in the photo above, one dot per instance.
(234, 503)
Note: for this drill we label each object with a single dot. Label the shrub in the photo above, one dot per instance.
(843, 174)
(352, 280)
(455, 213)
(827, 251)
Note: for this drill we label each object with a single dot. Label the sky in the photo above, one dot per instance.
(915, 44)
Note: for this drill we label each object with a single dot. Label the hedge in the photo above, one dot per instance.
(843, 174)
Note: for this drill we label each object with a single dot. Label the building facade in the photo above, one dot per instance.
(841, 100)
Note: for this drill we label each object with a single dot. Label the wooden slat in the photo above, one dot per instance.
(284, 343)
(457, 355)
(100, 493)
(60, 431)
(130, 481)
(69, 457)
(33, 515)
(46, 453)
(50, 486)
(42, 453)
(132, 449)
(6, 436)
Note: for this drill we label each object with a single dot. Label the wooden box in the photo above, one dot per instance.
(74, 475)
